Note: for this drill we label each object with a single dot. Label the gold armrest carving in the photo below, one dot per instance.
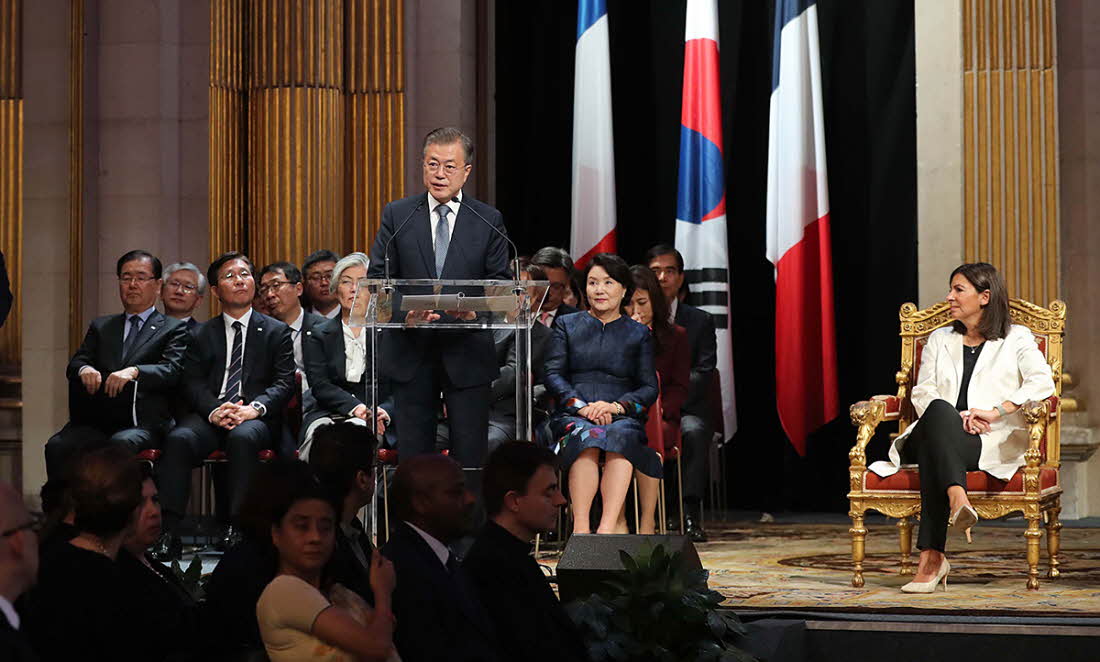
(1036, 415)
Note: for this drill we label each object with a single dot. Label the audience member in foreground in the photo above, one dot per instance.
(439, 616)
(302, 613)
(79, 582)
(168, 614)
(18, 570)
(343, 460)
(522, 497)
(968, 417)
(138, 346)
(600, 367)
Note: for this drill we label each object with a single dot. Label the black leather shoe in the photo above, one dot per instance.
(231, 539)
(694, 529)
(167, 548)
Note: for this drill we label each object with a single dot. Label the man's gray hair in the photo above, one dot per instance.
(186, 266)
(355, 259)
(447, 135)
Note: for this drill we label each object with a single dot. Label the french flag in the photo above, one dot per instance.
(593, 204)
(798, 228)
(701, 198)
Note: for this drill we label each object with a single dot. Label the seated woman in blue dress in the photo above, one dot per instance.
(599, 366)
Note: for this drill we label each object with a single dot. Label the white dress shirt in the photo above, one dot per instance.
(433, 215)
(296, 336)
(672, 306)
(439, 548)
(244, 319)
(329, 315)
(547, 316)
(13, 618)
(355, 354)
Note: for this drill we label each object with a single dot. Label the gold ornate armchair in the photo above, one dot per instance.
(1034, 490)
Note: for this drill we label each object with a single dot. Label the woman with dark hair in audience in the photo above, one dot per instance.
(575, 296)
(672, 355)
(77, 611)
(599, 366)
(302, 613)
(169, 614)
(337, 357)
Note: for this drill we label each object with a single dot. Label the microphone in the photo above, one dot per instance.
(515, 251)
(400, 226)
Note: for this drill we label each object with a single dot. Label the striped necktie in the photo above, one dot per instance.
(236, 365)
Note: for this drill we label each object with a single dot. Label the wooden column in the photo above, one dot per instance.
(375, 102)
(11, 169)
(228, 134)
(1010, 143)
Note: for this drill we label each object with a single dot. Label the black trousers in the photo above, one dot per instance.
(696, 437)
(190, 442)
(71, 438)
(944, 452)
(417, 403)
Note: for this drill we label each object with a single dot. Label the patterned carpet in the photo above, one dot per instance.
(808, 567)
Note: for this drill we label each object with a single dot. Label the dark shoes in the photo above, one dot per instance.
(693, 526)
(168, 548)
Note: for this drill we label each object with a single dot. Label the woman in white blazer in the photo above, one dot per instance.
(974, 375)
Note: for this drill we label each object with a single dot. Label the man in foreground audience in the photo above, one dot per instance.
(183, 290)
(124, 375)
(238, 377)
(318, 268)
(439, 616)
(18, 570)
(522, 498)
(695, 425)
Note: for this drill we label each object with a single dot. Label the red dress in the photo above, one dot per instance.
(674, 368)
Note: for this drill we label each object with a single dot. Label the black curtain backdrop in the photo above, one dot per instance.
(870, 123)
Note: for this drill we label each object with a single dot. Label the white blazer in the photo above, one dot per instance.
(1011, 368)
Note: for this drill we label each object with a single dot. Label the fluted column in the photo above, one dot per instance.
(375, 102)
(228, 130)
(296, 128)
(11, 168)
(1010, 142)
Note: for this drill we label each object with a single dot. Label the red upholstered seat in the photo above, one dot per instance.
(387, 456)
(149, 455)
(908, 480)
(265, 455)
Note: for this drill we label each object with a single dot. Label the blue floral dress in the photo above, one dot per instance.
(588, 361)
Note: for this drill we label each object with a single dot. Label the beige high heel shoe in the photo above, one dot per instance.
(964, 518)
(930, 585)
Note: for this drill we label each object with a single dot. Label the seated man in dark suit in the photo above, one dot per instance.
(558, 267)
(183, 290)
(18, 571)
(439, 616)
(522, 497)
(342, 456)
(238, 376)
(696, 428)
(123, 376)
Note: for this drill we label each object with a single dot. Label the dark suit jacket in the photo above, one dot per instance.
(13, 646)
(158, 354)
(6, 297)
(704, 355)
(566, 309)
(532, 623)
(268, 371)
(169, 616)
(439, 616)
(326, 368)
(475, 252)
(345, 568)
(503, 388)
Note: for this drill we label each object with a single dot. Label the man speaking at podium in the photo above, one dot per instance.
(441, 234)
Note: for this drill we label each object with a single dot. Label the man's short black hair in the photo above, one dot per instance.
(664, 249)
(139, 255)
(553, 257)
(323, 255)
(510, 468)
(340, 451)
(216, 265)
(288, 268)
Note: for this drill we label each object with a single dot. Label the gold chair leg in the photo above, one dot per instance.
(680, 488)
(662, 528)
(859, 536)
(1033, 533)
(905, 542)
(636, 509)
(386, 510)
(1054, 540)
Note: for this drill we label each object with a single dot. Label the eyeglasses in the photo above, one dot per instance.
(34, 525)
(186, 288)
(320, 278)
(273, 285)
(449, 169)
(243, 274)
(140, 280)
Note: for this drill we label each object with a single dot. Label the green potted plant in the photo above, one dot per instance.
(657, 611)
